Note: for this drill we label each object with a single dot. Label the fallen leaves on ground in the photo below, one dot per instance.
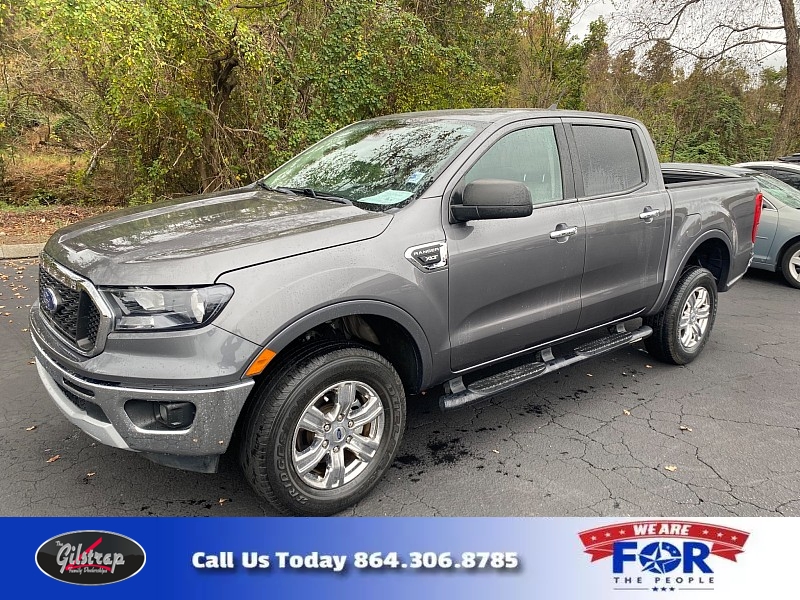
(32, 226)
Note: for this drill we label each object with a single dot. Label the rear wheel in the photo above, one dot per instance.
(323, 430)
(681, 330)
(790, 265)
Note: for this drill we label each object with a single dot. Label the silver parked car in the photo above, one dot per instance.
(777, 246)
(778, 238)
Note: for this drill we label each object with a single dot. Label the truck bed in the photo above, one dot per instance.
(711, 197)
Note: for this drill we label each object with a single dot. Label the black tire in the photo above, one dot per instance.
(665, 344)
(281, 399)
(792, 253)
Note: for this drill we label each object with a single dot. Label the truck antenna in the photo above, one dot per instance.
(554, 105)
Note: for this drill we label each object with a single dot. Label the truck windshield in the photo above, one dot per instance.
(780, 191)
(376, 164)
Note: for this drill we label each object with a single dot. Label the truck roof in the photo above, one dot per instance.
(497, 115)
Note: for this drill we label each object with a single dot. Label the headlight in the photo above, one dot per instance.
(152, 309)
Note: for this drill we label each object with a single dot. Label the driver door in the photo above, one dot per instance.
(515, 283)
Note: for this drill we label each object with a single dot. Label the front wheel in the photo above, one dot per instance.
(323, 430)
(682, 328)
(790, 265)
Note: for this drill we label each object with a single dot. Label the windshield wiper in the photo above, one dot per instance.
(311, 193)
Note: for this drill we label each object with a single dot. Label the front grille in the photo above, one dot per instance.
(77, 317)
(66, 317)
(92, 323)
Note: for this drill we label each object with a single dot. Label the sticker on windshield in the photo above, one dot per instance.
(415, 177)
(387, 197)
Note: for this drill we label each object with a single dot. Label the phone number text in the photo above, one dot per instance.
(436, 560)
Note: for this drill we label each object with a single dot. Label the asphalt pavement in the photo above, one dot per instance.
(622, 435)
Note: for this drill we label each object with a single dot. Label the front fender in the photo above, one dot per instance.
(276, 302)
(283, 338)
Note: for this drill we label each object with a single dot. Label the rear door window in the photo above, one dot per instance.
(609, 159)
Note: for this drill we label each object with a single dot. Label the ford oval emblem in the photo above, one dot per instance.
(90, 557)
(51, 301)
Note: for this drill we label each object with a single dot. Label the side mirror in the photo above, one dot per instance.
(493, 199)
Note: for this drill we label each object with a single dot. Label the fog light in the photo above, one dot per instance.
(175, 415)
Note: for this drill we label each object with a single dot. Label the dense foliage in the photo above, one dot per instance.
(132, 100)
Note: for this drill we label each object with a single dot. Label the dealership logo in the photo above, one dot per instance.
(90, 557)
(663, 556)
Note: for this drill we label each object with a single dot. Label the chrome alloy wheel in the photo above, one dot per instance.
(338, 435)
(794, 266)
(694, 318)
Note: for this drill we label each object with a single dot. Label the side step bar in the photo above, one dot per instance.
(460, 395)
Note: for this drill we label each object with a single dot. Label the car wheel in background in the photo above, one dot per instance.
(790, 265)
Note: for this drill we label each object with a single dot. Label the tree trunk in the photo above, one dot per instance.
(213, 173)
(788, 135)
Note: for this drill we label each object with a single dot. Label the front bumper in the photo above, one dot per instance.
(99, 410)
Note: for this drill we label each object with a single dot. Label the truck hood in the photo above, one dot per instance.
(193, 240)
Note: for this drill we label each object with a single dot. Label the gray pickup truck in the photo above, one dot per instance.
(468, 251)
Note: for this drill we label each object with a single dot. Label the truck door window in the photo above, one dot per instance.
(609, 159)
(527, 155)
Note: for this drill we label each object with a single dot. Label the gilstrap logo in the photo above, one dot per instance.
(90, 557)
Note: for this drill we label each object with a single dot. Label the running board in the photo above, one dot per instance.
(461, 395)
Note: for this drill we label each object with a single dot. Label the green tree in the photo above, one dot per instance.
(710, 115)
(552, 65)
(200, 94)
(710, 31)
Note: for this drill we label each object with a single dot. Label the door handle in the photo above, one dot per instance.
(648, 214)
(562, 234)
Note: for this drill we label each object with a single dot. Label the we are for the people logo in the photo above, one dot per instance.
(663, 556)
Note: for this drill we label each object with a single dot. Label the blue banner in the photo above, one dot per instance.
(394, 558)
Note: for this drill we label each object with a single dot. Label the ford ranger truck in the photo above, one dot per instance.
(469, 251)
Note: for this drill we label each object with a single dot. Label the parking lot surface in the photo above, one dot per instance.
(619, 435)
